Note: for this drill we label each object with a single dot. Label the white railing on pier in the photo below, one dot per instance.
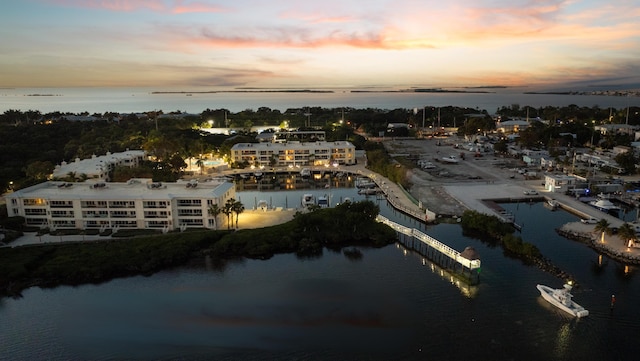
(431, 242)
(415, 212)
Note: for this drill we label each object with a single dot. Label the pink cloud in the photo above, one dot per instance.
(289, 38)
(318, 18)
(195, 7)
(174, 6)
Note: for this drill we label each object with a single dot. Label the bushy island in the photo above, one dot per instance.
(495, 232)
(77, 263)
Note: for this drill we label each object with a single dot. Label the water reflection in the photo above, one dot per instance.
(563, 341)
(468, 290)
(625, 271)
(220, 265)
(599, 266)
(274, 181)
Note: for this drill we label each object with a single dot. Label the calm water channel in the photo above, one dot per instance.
(391, 304)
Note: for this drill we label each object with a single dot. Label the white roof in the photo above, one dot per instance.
(55, 190)
(95, 165)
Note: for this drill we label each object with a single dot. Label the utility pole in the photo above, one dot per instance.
(308, 114)
(627, 121)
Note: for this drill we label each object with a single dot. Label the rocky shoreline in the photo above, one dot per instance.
(589, 239)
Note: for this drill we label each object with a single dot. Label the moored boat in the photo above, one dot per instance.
(369, 191)
(553, 204)
(365, 183)
(308, 200)
(323, 201)
(605, 205)
(562, 298)
(263, 205)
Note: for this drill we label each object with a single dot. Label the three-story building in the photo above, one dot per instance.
(138, 203)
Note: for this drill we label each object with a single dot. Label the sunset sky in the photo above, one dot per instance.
(314, 44)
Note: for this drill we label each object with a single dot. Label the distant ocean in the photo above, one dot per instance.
(128, 100)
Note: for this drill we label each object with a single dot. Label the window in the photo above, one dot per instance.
(189, 203)
(125, 224)
(156, 214)
(191, 222)
(61, 204)
(61, 214)
(35, 212)
(93, 204)
(121, 204)
(155, 204)
(123, 214)
(94, 214)
(189, 212)
(157, 224)
(36, 221)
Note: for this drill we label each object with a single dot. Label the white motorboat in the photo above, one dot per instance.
(605, 205)
(369, 191)
(553, 204)
(263, 205)
(365, 183)
(308, 200)
(450, 159)
(562, 298)
(323, 201)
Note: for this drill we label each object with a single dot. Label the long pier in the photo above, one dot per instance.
(435, 250)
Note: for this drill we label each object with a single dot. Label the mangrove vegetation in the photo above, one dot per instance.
(75, 263)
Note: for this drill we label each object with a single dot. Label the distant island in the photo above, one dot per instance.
(617, 93)
(245, 91)
(468, 89)
(422, 90)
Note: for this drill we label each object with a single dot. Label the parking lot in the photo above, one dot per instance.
(436, 177)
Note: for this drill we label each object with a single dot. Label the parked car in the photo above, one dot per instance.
(530, 192)
(589, 220)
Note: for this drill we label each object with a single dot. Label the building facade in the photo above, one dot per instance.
(559, 183)
(98, 167)
(136, 204)
(294, 153)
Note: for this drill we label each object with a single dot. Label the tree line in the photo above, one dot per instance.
(33, 142)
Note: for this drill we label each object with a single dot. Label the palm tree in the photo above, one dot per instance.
(627, 233)
(237, 208)
(227, 210)
(214, 210)
(602, 226)
(200, 164)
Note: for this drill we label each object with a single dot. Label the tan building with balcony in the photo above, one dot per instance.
(294, 153)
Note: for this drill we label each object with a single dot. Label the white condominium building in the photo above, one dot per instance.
(295, 153)
(99, 167)
(138, 203)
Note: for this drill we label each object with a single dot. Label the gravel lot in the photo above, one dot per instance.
(438, 187)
